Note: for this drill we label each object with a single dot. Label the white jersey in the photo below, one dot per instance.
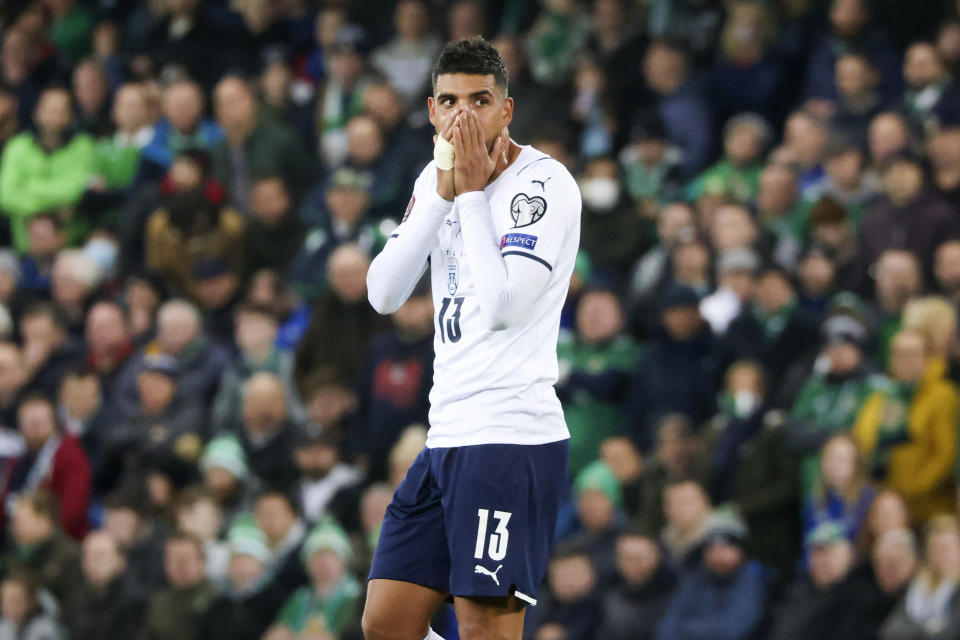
(496, 386)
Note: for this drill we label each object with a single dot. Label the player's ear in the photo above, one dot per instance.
(432, 110)
(507, 111)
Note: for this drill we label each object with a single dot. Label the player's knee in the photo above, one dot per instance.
(377, 627)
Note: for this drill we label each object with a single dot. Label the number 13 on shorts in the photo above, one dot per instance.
(497, 549)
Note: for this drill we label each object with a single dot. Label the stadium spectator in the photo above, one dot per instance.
(191, 213)
(773, 330)
(266, 431)
(686, 509)
(750, 467)
(101, 605)
(849, 181)
(724, 596)
(910, 216)
(736, 271)
(858, 96)
(346, 200)
(276, 515)
(842, 494)
(393, 382)
(139, 538)
(40, 546)
(328, 485)
(182, 127)
(253, 146)
(24, 615)
(408, 58)
(930, 606)
(343, 312)
(330, 600)
(816, 601)
(574, 609)
(687, 118)
(274, 234)
(175, 611)
(947, 270)
(200, 361)
(917, 409)
(875, 590)
(47, 168)
(736, 177)
(836, 385)
(611, 231)
(54, 462)
(676, 457)
(633, 608)
(888, 134)
(168, 421)
(676, 368)
(929, 86)
(249, 604)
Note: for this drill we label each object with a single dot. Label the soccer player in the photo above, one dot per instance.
(499, 230)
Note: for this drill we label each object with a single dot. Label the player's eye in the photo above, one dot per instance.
(482, 101)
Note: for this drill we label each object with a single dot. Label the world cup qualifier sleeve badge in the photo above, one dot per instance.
(525, 210)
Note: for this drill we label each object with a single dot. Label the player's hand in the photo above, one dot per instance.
(473, 164)
(445, 187)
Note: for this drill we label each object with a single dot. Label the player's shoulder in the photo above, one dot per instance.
(539, 176)
(537, 168)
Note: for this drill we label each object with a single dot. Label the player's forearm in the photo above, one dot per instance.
(395, 271)
(505, 292)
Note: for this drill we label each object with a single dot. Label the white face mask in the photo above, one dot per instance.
(600, 194)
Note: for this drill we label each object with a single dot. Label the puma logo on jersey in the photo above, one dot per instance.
(542, 183)
(484, 571)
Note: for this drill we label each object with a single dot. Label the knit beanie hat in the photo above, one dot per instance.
(225, 452)
(597, 475)
(246, 538)
(326, 536)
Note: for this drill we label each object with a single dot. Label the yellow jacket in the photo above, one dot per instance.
(921, 470)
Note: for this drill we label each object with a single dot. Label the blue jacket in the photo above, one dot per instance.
(167, 142)
(710, 608)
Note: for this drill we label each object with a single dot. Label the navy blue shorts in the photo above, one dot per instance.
(475, 521)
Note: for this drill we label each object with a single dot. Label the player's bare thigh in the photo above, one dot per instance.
(490, 618)
(397, 610)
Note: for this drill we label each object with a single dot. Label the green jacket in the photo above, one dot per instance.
(739, 184)
(174, 614)
(270, 149)
(588, 371)
(304, 610)
(32, 180)
(822, 409)
(117, 163)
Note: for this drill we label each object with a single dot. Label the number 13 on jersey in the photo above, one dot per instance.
(450, 327)
(497, 549)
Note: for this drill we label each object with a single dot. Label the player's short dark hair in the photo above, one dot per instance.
(474, 56)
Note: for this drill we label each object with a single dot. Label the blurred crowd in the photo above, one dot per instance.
(202, 419)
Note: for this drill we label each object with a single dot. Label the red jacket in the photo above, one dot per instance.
(69, 480)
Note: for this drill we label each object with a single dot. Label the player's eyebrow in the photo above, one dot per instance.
(473, 96)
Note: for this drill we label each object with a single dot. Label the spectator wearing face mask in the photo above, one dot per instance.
(612, 232)
(750, 466)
